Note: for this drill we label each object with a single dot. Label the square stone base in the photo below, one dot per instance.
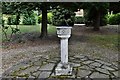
(63, 69)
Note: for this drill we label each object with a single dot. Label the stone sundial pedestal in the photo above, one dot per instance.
(64, 68)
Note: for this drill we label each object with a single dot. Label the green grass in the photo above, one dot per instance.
(51, 29)
(31, 28)
(108, 41)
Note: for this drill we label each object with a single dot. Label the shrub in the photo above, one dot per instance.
(40, 19)
(114, 19)
(49, 18)
(79, 20)
(103, 20)
(29, 19)
(90, 17)
(12, 20)
(63, 17)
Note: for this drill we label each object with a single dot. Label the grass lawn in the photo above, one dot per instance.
(108, 41)
(31, 28)
(103, 40)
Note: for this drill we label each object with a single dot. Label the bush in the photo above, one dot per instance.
(12, 20)
(90, 17)
(63, 17)
(79, 20)
(49, 18)
(40, 19)
(114, 19)
(103, 20)
(29, 19)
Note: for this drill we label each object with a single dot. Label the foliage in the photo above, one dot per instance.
(49, 18)
(29, 19)
(114, 19)
(27, 29)
(79, 20)
(14, 30)
(19, 7)
(40, 19)
(115, 7)
(63, 17)
(13, 20)
(95, 14)
(103, 20)
(4, 29)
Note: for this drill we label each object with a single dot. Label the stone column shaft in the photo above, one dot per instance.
(64, 50)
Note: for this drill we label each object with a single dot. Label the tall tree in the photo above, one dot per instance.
(17, 8)
(44, 21)
(95, 11)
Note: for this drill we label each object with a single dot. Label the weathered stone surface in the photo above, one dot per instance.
(71, 58)
(83, 67)
(105, 71)
(116, 73)
(48, 66)
(98, 75)
(107, 67)
(56, 59)
(44, 75)
(20, 79)
(114, 67)
(84, 59)
(14, 68)
(63, 69)
(83, 73)
(37, 63)
(46, 57)
(96, 64)
(87, 62)
(102, 62)
(52, 61)
(75, 64)
(75, 61)
(79, 56)
(29, 70)
(31, 77)
(36, 74)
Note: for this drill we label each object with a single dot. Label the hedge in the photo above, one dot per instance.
(114, 19)
(63, 17)
(29, 19)
(49, 18)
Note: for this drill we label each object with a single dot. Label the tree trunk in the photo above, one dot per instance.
(97, 22)
(44, 21)
(17, 19)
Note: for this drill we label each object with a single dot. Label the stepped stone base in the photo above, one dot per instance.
(63, 69)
